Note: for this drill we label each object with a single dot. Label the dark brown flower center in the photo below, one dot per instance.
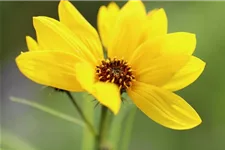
(116, 71)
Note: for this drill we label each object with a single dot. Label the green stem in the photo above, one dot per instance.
(104, 128)
(89, 142)
(88, 124)
(128, 129)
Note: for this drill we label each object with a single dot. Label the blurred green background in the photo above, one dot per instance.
(45, 132)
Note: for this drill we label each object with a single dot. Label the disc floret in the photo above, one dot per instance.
(116, 71)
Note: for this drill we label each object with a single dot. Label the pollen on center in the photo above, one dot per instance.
(116, 71)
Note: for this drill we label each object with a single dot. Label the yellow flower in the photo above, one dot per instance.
(106, 21)
(143, 60)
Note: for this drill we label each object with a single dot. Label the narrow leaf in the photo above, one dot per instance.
(10, 141)
(48, 110)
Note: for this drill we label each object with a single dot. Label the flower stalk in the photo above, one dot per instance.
(128, 126)
(88, 124)
(104, 128)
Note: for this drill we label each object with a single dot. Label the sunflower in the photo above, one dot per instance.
(142, 59)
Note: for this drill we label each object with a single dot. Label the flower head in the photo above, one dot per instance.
(143, 60)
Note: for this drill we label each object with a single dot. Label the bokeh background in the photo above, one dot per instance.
(42, 131)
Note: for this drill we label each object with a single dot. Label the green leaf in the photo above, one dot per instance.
(48, 110)
(10, 141)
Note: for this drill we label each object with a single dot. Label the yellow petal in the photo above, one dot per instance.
(31, 44)
(164, 107)
(106, 21)
(170, 44)
(142, 56)
(157, 23)
(186, 75)
(161, 69)
(53, 35)
(86, 75)
(83, 30)
(106, 93)
(175, 43)
(129, 30)
(50, 68)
